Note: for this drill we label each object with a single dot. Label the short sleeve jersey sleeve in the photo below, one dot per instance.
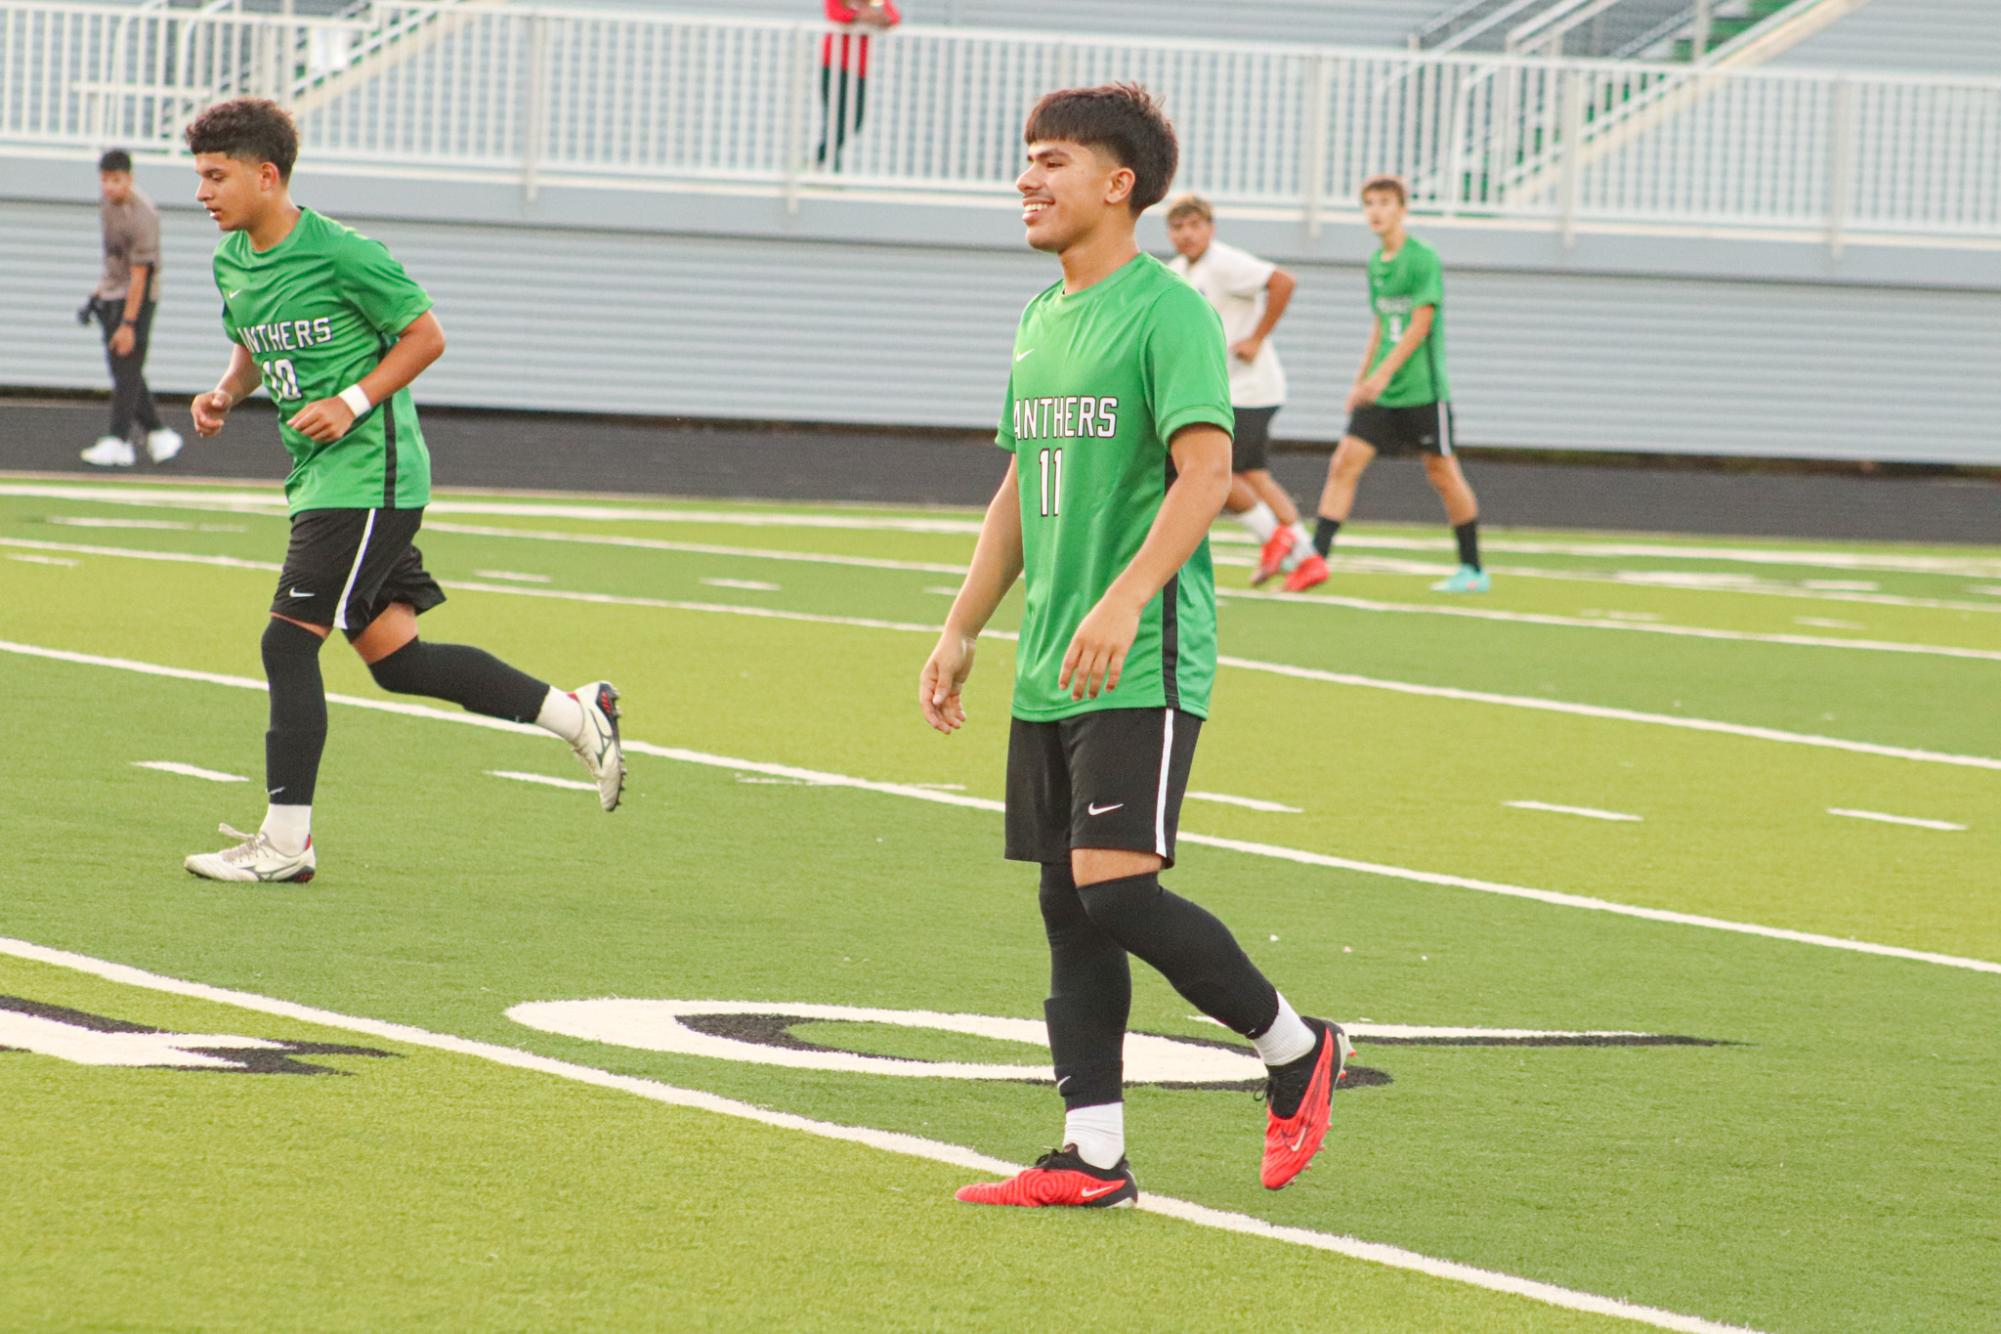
(1243, 273)
(143, 241)
(373, 279)
(1186, 366)
(1004, 434)
(1427, 279)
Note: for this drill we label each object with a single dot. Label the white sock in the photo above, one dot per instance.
(1287, 1040)
(1098, 1132)
(1260, 520)
(1302, 545)
(288, 827)
(561, 714)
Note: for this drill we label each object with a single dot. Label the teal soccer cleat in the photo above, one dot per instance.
(1465, 579)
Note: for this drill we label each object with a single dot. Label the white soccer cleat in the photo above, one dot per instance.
(163, 444)
(110, 452)
(597, 746)
(253, 859)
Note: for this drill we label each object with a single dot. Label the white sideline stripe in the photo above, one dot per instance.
(1586, 811)
(748, 585)
(925, 567)
(822, 778)
(189, 771)
(1248, 803)
(45, 560)
(1624, 627)
(85, 521)
(515, 576)
(1826, 623)
(887, 1141)
(697, 548)
(267, 502)
(576, 784)
(1620, 715)
(1607, 712)
(1913, 821)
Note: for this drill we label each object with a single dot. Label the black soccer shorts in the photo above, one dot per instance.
(1109, 779)
(1252, 439)
(345, 566)
(1423, 428)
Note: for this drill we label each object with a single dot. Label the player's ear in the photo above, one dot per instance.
(1119, 185)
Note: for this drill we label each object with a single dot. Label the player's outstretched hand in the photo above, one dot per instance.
(944, 675)
(210, 411)
(325, 420)
(1097, 653)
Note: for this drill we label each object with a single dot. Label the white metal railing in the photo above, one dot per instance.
(537, 97)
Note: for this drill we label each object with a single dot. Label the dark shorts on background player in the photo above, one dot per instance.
(1248, 444)
(1110, 779)
(357, 561)
(1422, 428)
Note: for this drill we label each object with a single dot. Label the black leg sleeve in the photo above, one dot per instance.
(298, 713)
(1090, 996)
(1190, 948)
(469, 677)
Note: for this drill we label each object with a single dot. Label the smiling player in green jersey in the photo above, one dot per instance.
(335, 330)
(1118, 419)
(1400, 402)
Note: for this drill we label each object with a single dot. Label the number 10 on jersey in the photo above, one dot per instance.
(1051, 463)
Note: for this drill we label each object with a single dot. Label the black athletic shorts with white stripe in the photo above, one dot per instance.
(1110, 779)
(1422, 428)
(344, 567)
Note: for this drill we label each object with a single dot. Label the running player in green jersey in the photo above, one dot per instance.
(1118, 420)
(335, 331)
(1400, 403)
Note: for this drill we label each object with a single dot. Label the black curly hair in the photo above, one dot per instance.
(255, 129)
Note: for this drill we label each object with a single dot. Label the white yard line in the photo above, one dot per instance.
(747, 585)
(1245, 664)
(544, 780)
(270, 502)
(909, 1146)
(823, 778)
(1824, 623)
(1248, 803)
(46, 560)
(191, 771)
(515, 576)
(1944, 825)
(1317, 600)
(164, 525)
(1588, 812)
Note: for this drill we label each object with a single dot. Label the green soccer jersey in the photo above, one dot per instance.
(317, 311)
(1102, 380)
(1396, 288)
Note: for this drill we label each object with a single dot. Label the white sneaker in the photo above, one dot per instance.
(255, 858)
(111, 452)
(598, 747)
(163, 444)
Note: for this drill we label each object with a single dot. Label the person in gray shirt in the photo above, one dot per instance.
(122, 302)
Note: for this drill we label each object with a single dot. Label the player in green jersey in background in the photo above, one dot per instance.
(1400, 403)
(335, 330)
(1118, 420)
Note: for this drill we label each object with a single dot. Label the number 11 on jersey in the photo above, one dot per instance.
(1051, 461)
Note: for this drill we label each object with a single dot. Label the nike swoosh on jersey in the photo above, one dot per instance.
(1020, 355)
(1096, 809)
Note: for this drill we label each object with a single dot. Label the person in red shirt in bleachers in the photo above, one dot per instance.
(844, 66)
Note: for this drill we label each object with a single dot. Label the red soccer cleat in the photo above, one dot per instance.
(1311, 571)
(1271, 559)
(1059, 1177)
(1307, 1087)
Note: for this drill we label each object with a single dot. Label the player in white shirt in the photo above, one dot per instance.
(1250, 295)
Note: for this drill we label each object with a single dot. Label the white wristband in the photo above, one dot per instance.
(356, 399)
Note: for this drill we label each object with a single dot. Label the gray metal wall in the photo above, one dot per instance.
(903, 330)
(1960, 37)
